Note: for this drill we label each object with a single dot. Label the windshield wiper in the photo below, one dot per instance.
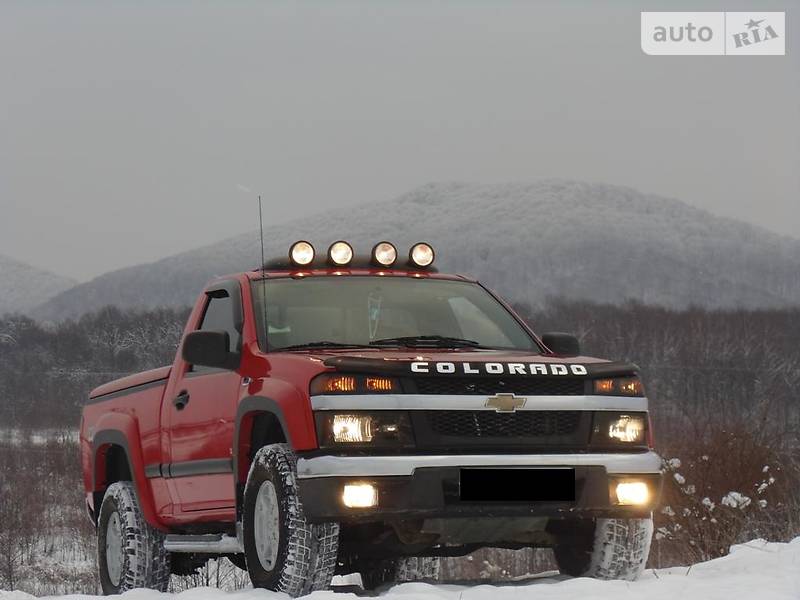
(428, 341)
(320, 344)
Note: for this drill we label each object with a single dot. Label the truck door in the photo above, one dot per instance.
(200, 412)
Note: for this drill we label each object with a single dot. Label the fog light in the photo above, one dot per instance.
(633, 493)
(360, 495)
(301, 253)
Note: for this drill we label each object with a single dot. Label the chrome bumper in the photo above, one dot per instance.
(377, 466)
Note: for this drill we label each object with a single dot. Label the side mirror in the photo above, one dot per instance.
(562, 343)
(209, 349)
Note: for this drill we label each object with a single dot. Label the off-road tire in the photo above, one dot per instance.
(145, 562)
(613, 549)
(375, 573)
(417, 568)
(306, 553)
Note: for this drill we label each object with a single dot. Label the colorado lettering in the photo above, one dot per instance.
(496, 368)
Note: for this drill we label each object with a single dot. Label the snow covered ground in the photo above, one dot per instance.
(757, 570)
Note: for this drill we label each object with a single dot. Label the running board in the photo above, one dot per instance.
(215, 543)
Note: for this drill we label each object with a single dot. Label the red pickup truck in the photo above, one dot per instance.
(340, 414)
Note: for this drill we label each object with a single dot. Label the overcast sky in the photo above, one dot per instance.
(128, 129)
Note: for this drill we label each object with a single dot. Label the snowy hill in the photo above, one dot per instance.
(753, 571)
(528, 241)
(24, 287)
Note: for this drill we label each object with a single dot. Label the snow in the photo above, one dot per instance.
(25, 286)
(757, 570)
(736, 500)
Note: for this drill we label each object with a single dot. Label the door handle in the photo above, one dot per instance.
(181, 400)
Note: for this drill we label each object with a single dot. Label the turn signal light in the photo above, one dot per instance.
(334, 383)
(619, 386)
(604, 386)
(379, 384)
(339, 383)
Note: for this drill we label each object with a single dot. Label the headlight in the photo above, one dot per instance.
(329, 383)
(619, 429)
(619, 386)
(376, 429)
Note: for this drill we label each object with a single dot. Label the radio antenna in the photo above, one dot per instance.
(263, 272)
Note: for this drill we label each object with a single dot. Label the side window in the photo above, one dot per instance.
(219, 317)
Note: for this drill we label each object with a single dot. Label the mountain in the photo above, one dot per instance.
(529, 241)
(24, 286)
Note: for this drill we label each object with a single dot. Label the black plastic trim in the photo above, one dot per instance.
(251, 404)
(192, 468)
(189, 468)
(109, 437)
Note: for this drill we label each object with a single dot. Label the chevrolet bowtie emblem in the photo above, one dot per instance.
(505, 403)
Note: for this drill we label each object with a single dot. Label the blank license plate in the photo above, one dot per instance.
(518, 485)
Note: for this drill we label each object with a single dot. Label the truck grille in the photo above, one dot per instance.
(487, 386)
(487, 424)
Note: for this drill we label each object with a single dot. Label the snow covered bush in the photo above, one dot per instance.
(722, 490)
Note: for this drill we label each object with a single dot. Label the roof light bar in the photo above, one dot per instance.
(301, 253)
(421, 255)
(340, 253)
(384, 254)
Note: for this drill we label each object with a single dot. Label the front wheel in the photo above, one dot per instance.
(283, 551)
(610, 549)
(130, 552)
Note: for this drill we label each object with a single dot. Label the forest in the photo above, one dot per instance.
(723, 386)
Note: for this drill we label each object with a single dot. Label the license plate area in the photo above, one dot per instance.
(517, 485)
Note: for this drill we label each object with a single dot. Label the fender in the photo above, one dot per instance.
(119, 429)
(251, 406)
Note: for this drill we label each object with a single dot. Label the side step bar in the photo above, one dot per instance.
(215, 543)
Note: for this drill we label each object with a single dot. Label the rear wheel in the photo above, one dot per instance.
(130, 553)
(283, 551)
(611, 549)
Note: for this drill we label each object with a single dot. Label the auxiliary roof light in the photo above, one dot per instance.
(421, 255)
(301, 253)
(384, 254)
(340, 253)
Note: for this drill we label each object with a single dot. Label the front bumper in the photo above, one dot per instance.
(427, 486)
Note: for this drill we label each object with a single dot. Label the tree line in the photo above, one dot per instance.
(723, 388)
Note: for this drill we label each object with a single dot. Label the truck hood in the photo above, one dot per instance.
(448, 362)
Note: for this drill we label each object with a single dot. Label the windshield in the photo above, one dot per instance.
(383, 312)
